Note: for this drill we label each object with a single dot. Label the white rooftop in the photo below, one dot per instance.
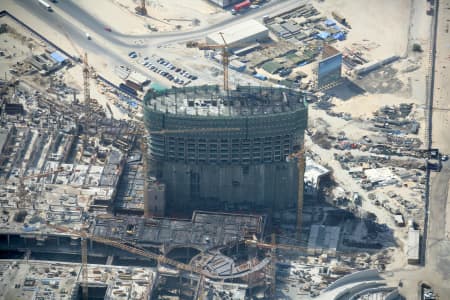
(313, 171)
(239, 32)
(381, 176)
(412, 251)
(137, 78)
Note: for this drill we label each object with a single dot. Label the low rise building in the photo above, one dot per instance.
(243, 33)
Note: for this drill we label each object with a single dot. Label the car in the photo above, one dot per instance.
(444, 157)
(145, 63)
(152, 68)
(88, 36)
(177, 70)
(108, 29)
(194, 77)
(367, 139)
(132, 54)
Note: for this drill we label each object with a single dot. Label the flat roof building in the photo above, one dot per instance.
(250, 31)
(413, 249)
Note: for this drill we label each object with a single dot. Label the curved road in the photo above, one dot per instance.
(72, 9)
(73, 20)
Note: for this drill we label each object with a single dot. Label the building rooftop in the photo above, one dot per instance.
(212, 101)
(238, 32)
(329, 51)
(313, 171)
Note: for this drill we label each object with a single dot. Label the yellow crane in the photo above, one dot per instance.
(273, 245)
(129, 248)
(86, 84)
(299, 156)
(225, 56)
(22, 193)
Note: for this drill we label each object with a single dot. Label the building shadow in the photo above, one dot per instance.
(345, 90)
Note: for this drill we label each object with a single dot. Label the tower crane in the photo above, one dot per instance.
(225, 56)
(86, 84)
(22, 193)
(299, 156)
(129, 248)
(287, 247)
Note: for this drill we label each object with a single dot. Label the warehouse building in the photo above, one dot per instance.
(240, 167)
(241, 34)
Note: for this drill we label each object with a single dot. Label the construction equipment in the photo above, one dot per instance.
(129, 248)
(273, 266)
(86, 86)
(225, 56)
(299, 156)
(141, 9)
(288, 247)
(22, 193)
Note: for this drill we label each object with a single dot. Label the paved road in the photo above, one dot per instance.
(96, 27)
(436, 243)
(68, 17)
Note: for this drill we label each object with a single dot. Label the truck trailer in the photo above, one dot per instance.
(45, 4)
(240, 6)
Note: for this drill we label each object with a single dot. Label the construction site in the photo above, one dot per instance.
(255, 150)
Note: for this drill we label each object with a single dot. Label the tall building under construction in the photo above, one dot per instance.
(226, 150)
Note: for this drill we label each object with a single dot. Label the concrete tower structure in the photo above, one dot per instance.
(240, 166)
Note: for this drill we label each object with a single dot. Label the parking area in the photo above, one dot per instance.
(164, 68)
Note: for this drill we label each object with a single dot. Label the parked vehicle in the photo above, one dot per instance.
(240, 6)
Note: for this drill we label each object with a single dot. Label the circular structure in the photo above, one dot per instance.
(230, 148)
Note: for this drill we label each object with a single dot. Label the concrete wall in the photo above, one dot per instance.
(233, 187)
(157, 200)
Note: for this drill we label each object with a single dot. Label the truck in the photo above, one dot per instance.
(45, 4)
(240, 6)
